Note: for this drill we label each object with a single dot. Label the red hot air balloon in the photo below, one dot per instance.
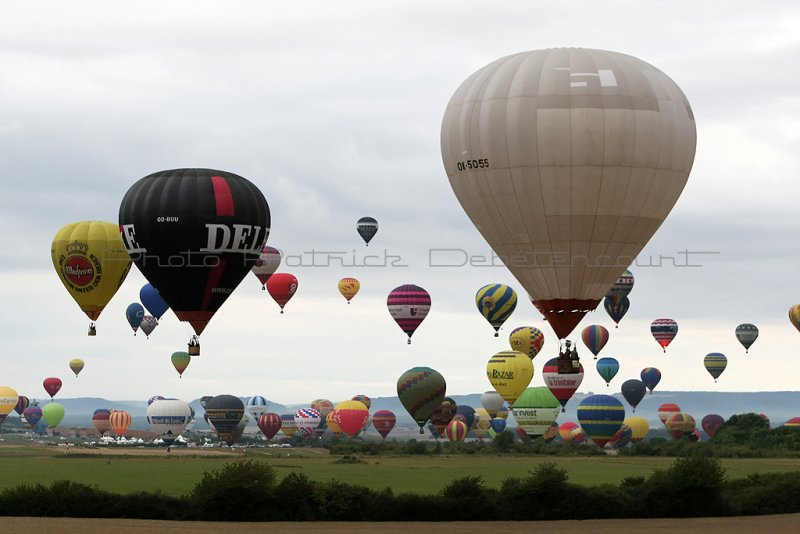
(282, 287)
(194, 234)
(269, 424)
(409, 305)
(664, 331)
(52, 386)
(267, 263)
(711, 424)
(563, 386)
(384, 421)
(666, 410)
(100, 420)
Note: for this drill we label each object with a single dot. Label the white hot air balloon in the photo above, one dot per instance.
(168, 418)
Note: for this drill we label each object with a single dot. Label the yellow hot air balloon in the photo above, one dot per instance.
(8, 401)
(76, 364)
(567, 161)
(348, 287)
(91, 262)
(509, 372)
(639, 427)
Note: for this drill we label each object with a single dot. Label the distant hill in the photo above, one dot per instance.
(779, 406)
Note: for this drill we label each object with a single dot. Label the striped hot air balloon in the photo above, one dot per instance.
(794, 422)
(679, 424)
(257, 406)
(443, 415)
(715, 363)
(367, 227)
(496, 302)
(595, 338)
(526, 339)
(666, 410)
(421, 390)
(600, 417)
(746, 334)
(288, 426)
(563, 386)
(664, 331)
(22, 403)
(456, 430)
(119, 421)
(623, 436)
(409, 305)
(269, 424)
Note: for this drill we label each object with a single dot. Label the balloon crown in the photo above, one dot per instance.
(77, 247)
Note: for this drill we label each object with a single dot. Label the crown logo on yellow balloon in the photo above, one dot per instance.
(78, 247)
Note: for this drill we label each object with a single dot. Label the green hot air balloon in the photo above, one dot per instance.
(421, 390)
(536, 410)
(53, 413)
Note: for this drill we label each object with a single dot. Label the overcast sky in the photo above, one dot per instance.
(334, 109)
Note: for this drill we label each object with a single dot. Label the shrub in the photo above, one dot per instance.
(239, 491)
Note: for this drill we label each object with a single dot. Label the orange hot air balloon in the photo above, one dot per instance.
(119, 421)
(567, 161)
(348, 287)
(350, 415)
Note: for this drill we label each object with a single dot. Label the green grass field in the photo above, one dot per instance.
(176, 474)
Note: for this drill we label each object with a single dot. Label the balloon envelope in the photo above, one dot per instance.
(595, 338)
(633, 390)
(711, 424)
(194, 234)
(509, 372)
(715, 363)
(267, 263)
(180, 360)
(22, 403)
(119, 421)
(607, 368)
(367, 227)
(666, 410)
(269, 424)
(526, 339)
(169, 418)
(134, 313)
(651, 377)
(257, 406)
(616, 310)
(664, 331)
(542, 153)
(282, 287)
(456, 430)
(408, 305)
(153, 301)
(384, 421)
(563, 386)
(492, 402)
(225, 412)
(746, 334)
(349, 287)
(443, 415)
(76, 365)
(600, 417)
(32, 415)
(421, 391)
(100, 420)
(496, 302)
(794, 316)
(8, 401)
(639, 427)
(351, 416)
(148, 324)
(536, 410)
(52, 385)
(91, 261)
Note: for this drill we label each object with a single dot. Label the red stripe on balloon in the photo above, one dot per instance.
(223, 197)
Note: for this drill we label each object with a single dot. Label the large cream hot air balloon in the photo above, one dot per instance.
(567, 161)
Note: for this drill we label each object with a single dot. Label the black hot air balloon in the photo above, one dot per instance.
(633, 390)
(367, 227)
(194, 234)
(225, 412)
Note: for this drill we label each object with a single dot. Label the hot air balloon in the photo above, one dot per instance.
(456, 430)
(496, 302)
(363, 399)
(194, 234)
(53, 413)
(40, 427)
(269, 424)
(323, 406)
(498, 425)
(154, 398)
(257, 406)
(595, 338)
(225, 412)
(466, 414)
(616, 311)
(666, 410)
(289, 427)
(623, 436)
(91, 262)
(119, 421)
(52, 385)
(621, 288)
(492, 402)
(535, 410)
(679, 424)
(639, 428)
(443, 415)
(421, 390)
(633, 390)
(607, 368)
(565, 431)
(348, 287)
(153, 301)
(367, 227)
(409, 305)
(100, 420)
(32, 414)
(527, 340)
(793, 422)
(307, 419)
(664, 330)
(747, 334)
(794, 316)
(715, 363)
(563, 386)
(267, 263)
(134, 313)
(76, 365)
(711, 424)
(148, 324)
(180, 360)
(651, 377)
(482, 424)
(22, 403)
(509, 372)
(169, 418)
(384, 421)
(600, 417)
(282, 287)
(8, 401)
(542, 153)
(351, 416)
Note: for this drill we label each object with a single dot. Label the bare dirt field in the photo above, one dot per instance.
(757, 524)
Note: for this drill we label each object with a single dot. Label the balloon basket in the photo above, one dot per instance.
(193, 349)
(92, 330)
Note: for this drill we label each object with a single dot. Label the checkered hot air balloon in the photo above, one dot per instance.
(527, 340)
(496, 302)
(307, 418)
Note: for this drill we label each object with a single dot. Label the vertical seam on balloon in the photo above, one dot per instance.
(223, 197)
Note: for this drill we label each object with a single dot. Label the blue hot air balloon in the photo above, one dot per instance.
(135, 314)
(601, 416)
(651, 377)
(153, 301)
